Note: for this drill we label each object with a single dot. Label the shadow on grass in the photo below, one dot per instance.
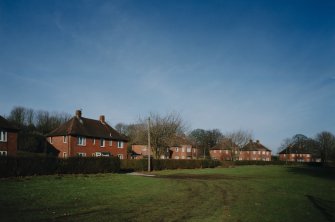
(321, 172)
(325, 206)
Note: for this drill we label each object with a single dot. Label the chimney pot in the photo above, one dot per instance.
(102, 118)
(78, 113)
(257, 141)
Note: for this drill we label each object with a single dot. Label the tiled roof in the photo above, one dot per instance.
(295, 148)
(79, 126)
(5, 124)
(225, 144)
(254, 146)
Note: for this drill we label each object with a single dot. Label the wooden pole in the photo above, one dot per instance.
(149, 146)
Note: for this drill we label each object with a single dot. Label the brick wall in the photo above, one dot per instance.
(90, 148)
(292, 157)
(10, 146)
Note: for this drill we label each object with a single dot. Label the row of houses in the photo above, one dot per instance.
(94, 138)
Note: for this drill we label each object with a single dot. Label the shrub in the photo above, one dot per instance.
(28, 166)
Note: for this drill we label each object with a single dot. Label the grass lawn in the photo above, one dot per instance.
(246, 193)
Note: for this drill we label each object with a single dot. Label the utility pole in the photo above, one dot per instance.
(149, 146)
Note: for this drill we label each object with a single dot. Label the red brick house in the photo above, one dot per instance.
(255, 151)
(184, 151)
(87, 137)
(295, 153)
(223, 150)
(8, 138)
(139, 151)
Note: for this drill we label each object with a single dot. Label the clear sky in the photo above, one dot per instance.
(259, 65)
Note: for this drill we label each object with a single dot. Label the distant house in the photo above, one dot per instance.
(139, 151)
(185, 151)
(295, 153)
(255, 151)
(227, 150)
(224, 150)
(87, 137)
(182, 149)
(8, 138)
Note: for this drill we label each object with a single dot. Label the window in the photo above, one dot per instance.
(97, 154)
(65, 155)
(81, 154)
(120, 144)
(94, 141)
(227, 151)
(120, 156)
(254, 152)
(188, 149)
(177, 149)
(81, 141)
(183, 157)
(102, 142)
(214, 151)
(3, 136)
(183, 149)
(3, 153)
(176, 157)
(64, 139)
(110, 142)
(263, 152)
(50, 140)
(220, 151)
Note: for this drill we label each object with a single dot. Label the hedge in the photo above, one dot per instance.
(167, 164)
(28, 166)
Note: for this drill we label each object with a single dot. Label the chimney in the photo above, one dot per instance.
(102, 119)
(78, 113)
(257, 141)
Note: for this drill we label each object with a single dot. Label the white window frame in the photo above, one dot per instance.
(120, 156)
(188, 149)
(64, 139)
(120, 144)
(94, 141)
(50, 140)
(111, 143)
(3, 136)
(3, 153)
(103, 142)
(81, 141)
(177, 149)
(81, 154)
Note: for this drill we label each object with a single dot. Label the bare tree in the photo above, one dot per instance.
(18, 116)
(122, 128)
(239, 139)
(205, 139)
(163, 131)
(326, 146)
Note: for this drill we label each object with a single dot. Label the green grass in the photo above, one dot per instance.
(246, 193)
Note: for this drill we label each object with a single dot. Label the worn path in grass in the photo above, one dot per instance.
(249, 193)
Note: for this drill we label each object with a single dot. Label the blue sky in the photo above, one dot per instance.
(263, 66)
